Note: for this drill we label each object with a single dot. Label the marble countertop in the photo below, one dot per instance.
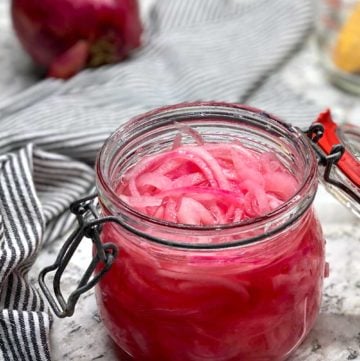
(336, 335)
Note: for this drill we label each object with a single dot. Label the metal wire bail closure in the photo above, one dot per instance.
(340, 168)
(89, 225)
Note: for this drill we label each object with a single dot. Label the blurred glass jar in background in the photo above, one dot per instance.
(338, 39)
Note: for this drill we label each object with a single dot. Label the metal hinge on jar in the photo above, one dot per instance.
(89, 225)
(339, 167)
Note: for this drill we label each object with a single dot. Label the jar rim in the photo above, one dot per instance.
(104, 187)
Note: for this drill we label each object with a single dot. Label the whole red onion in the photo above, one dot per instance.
(65, 36)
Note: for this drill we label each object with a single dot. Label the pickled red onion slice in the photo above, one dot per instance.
(207, 184)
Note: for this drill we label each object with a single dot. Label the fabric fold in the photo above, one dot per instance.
(24, 335)
(36, 189)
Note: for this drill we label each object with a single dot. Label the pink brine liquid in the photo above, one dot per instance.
(245, 303)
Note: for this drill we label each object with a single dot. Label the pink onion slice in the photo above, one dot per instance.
(207, 183)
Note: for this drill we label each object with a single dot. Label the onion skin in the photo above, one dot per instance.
(65, 36)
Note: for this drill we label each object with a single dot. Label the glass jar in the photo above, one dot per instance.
(338, 39)
(243, 291)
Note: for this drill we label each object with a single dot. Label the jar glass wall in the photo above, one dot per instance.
(178, 293)
(338, 39)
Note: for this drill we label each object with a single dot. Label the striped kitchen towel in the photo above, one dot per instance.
(49, 134)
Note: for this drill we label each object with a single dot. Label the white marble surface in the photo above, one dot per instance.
(336, 335)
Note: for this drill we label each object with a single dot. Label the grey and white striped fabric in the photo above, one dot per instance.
(49, 134)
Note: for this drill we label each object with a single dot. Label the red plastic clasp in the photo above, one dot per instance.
(348, 163)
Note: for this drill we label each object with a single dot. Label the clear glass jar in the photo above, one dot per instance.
(338, 39)
(175, 293)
